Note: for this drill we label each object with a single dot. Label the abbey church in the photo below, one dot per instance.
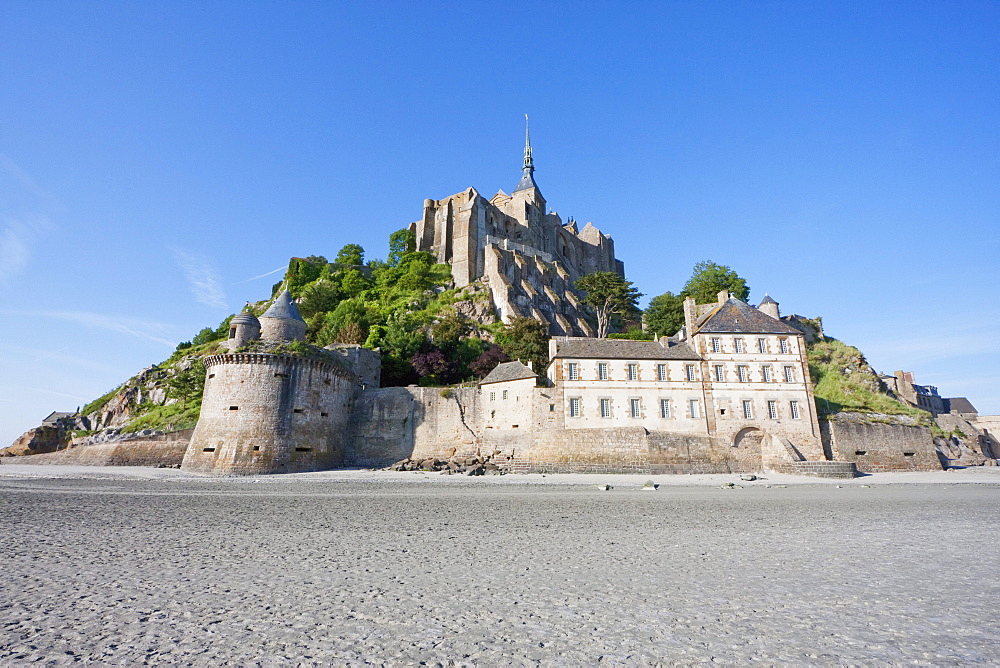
(526, 255)
(729, 392)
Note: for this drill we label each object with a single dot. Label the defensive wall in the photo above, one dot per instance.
(877, 447)
(529, 432)
(271, 414)
(161, 450)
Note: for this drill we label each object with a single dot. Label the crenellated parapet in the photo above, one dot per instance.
(329, 366)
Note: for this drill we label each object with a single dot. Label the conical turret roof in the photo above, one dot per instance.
(283, 308)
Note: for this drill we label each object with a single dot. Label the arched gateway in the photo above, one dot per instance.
(745, 456)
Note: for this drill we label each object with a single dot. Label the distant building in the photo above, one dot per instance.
(525, 253)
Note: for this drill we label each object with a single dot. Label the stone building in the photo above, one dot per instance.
(924, 397)
(524, 252)
(730, 393)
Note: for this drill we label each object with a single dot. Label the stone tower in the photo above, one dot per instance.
(770, 307)
(282, 321)
(243, 328)
(271, 414)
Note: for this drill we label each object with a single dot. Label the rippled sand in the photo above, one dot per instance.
(355, 569)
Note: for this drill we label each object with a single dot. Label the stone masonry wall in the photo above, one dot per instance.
(271, 414)
(877, 447)
(162, 450)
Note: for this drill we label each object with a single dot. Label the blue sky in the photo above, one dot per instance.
(157, 158)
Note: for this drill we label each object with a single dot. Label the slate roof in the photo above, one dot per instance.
(245, 318)
(960, 404)
(54, 417)
(284, 308)
(588, 348)
(506, 371)
(767, 300)
(738, 317)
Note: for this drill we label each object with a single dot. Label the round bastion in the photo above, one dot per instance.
(265, 413)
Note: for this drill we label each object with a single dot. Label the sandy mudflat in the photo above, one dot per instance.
(134, 566)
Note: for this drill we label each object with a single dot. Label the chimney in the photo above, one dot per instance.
(723, 296)
(690, 315)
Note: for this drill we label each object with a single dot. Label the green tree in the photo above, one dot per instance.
(709, 279)
(318, 297)
(351, 255)
(526, 339)
(665, 314)
(611, 296)
(401, 242)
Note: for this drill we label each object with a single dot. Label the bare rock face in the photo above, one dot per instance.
(37, 441)
(478, 310)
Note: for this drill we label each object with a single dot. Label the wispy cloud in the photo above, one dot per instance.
(59, 357)
(140, 329)
(202, 279)
(14, 250)
(23, 217)
(270, 273)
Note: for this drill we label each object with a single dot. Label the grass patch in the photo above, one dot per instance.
(844, 381)
(181, 415)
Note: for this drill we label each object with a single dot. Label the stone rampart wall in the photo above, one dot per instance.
(161, 450)
(877, 447)
(271, 414)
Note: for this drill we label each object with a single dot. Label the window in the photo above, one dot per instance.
(743, 372)
(493, 396)
(574, 407)
(794, 409)
(574, 371)
(689, 371)
(664, 408)
(783, 344)
(720, 372)
(765, 373)
(504, 395)
(716, 345)
(789, 374)
(738, 345)
(602, 371)
(605, 408)
(747, 409)
(762, 345)
(772, 410)
(633, 371)
(661, 372)
(634, 406)
(693, 407)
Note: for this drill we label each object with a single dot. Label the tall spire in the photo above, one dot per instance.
(528, 164)
(527, 180)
